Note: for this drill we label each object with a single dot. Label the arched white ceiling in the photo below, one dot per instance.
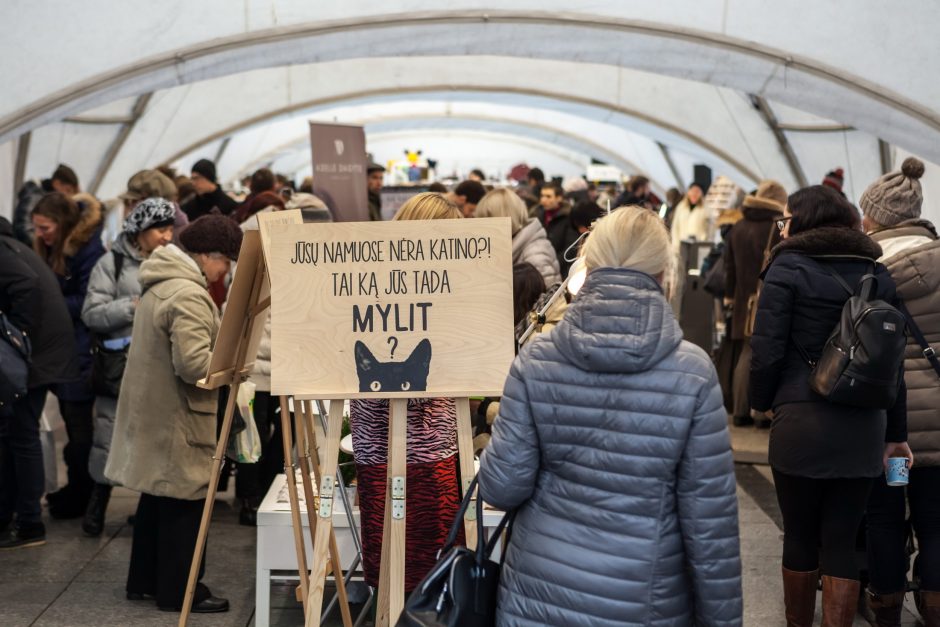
(691, 65)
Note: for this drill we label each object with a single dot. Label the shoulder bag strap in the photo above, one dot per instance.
(118, 265)
(929, 353)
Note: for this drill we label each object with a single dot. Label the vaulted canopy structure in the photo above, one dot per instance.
(751, 89)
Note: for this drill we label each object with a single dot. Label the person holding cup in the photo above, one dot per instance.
(825, 457)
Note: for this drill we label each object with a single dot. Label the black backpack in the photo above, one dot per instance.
(863, 360)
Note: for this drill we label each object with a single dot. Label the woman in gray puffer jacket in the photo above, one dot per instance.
(108, 311)
(530, 243)
(612, 444)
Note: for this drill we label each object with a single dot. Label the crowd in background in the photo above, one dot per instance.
(635, 429)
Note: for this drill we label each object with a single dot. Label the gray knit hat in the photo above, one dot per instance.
(896, 196)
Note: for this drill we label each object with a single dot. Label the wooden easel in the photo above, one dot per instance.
(237, 344)
(391, 596)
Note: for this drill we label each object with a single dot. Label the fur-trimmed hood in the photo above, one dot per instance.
(88, 224)
(830, 242)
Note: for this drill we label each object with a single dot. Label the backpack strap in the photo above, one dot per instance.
(839, 279)
(118, 264)
(929, 353)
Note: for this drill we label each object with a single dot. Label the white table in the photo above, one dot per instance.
(277, 556)
(276, 550)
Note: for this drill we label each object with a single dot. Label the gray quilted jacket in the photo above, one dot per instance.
(612, 441)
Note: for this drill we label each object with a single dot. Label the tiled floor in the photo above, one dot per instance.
(77, 581)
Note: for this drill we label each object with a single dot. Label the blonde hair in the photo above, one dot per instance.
(630, 237)
(428, 206)
(502, 202)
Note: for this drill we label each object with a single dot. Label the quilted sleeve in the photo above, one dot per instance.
(708, 513)
(510, 464)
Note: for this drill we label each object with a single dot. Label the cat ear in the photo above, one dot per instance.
(421, 354)
(364, 356)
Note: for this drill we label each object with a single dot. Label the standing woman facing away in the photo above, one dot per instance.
(825, 457)
(68, 238)
(433, 495)
(612, 446)
(113, 296)
(165, 426)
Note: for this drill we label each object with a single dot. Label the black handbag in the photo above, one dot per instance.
(15, 354)
(107, 368)
(461, 588)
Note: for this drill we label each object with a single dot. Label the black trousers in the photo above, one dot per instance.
(22, 476)
(821, 518)
(253, 480)
(887, 531)
(79, 425)
(165, 532)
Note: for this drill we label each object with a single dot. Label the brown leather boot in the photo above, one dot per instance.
(930, 608)
(799, 596)
(886, 608)
(839, 601)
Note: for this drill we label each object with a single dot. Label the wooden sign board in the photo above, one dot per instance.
(243, 296)
(391, 309)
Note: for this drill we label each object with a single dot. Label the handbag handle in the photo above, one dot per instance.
(484, 549)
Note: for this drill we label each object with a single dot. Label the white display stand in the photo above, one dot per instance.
(276, 546)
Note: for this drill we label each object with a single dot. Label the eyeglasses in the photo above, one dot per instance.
(782, 222)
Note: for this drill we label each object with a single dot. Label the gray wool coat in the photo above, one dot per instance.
(612, 442)
(108, 311)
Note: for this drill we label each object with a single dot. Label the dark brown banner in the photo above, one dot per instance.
(339, 170)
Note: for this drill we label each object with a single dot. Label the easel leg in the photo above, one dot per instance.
(467, 468)
(296, 520)
(392, 570)
(306, 449)
(210, 503)
(322, 540)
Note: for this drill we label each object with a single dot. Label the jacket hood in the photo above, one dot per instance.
(830, 241)
(123, 245)
(620, 322)
(528, 233)
(89, 224)
(169, 262)
(760, 214)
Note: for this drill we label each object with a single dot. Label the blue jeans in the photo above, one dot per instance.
(22, 479)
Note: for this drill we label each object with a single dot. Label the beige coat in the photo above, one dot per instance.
(164, 431)
(912, 256)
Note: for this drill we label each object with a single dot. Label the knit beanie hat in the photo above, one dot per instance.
(206, 169)
(769, 195)
(835, 179)
(152, 213)
(896, 196)
(213, 233)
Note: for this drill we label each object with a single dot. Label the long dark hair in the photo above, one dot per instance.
(818, 206)
(527, 286)
(65, 213)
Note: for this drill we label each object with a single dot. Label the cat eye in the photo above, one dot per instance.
(376, 386)
(406, 386)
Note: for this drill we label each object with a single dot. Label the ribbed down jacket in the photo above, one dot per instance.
(612, 441)
(531, 245)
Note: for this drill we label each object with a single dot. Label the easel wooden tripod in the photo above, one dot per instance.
(392, 572)
(236, 347)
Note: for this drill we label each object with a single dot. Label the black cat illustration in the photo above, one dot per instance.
(410, 375)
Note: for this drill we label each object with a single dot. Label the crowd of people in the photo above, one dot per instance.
(611, 440)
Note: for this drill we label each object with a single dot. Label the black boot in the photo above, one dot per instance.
(93, 524)
(248, 515)
(22, 535)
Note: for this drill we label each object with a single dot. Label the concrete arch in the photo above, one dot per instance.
(602, 39)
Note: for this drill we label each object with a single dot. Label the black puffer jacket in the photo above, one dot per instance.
(801, 301)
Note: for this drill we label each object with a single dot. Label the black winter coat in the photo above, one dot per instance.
(562, 233)
(744, 260)
(801, 301)
(200, 205)
(30, 296)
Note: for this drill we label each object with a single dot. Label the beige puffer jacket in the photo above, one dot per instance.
(912, 256)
